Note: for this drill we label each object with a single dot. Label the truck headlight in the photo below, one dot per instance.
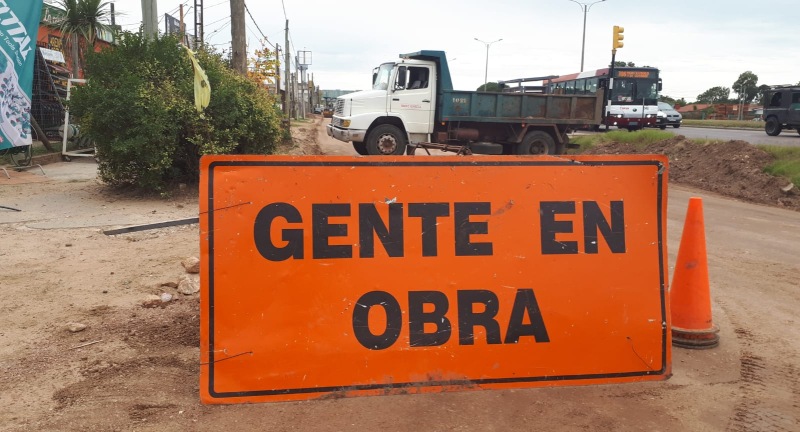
(346, 123)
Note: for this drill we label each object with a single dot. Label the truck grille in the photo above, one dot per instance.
(339, 107)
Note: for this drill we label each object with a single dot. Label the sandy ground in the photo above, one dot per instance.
(141, 372)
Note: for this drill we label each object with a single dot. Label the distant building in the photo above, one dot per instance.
(51, 38)
(719, 111)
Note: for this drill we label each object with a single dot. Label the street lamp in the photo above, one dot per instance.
(486, 73)
(585, 8)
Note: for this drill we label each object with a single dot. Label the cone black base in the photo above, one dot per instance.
(695, 339)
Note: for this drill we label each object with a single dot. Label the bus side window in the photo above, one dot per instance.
(580, 86)
(591, 85)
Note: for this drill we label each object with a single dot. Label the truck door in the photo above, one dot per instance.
(412, 98)
(794, 110)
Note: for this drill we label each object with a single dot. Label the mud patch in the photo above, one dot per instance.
(734, 168)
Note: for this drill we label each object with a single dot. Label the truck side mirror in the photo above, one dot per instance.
(374, 76)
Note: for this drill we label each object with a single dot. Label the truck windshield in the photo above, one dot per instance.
(382, 77)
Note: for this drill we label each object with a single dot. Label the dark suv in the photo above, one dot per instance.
(781, 109)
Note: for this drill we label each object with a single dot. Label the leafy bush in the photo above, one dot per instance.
(138, 106)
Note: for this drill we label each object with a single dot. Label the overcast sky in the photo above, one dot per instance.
(697, 44)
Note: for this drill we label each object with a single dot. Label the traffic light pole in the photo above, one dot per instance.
(616, 43)
(610, 86)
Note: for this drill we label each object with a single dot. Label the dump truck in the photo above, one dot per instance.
(412, 104)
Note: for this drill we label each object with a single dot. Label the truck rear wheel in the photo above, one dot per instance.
(360, 148)
(536, 143)
(772, 127)
(386, 140)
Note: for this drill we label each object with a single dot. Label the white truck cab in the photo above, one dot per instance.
(398, 109)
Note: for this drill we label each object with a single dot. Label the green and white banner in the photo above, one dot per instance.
(19, 26)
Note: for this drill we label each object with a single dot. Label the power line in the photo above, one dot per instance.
(259, 28)
(219, 20)
(220, 3)
(219, 29)
(284, 10)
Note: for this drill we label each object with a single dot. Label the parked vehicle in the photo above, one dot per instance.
(412, 101)
(668, 116)
(781, 109)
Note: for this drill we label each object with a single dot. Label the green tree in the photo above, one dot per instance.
(714, 95)
(139, 109)
(667, 99)
(80, 24)
(623, 64)
(746, 86)
(491, 87)
(760, 96)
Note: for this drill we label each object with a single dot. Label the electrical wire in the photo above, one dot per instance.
(219, 20)
(219, 29)
(220, 3)
(259, 28)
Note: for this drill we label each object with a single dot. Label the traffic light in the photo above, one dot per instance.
(618, 37)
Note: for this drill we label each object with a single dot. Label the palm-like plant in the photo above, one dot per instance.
(83, 20)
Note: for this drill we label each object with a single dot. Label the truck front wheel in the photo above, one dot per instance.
(772, 127)
(386, 140)
(360, 148)
(536, 143)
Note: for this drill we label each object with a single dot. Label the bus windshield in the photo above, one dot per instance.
(635, 91)
(381, 80)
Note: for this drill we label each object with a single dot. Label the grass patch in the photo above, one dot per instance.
(786, 164)
(639, 139)
(738, 124)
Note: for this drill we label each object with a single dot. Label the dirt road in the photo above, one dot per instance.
(142, 372)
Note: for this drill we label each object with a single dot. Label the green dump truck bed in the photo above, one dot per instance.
(530, 108)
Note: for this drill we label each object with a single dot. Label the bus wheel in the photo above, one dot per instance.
(386, 139)
(360, 148)
(536, 143)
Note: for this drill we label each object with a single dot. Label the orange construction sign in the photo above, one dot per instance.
(339, 276)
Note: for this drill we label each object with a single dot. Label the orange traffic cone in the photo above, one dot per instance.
(690, 298)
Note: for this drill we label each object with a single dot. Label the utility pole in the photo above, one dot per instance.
(303, 61)
(277, 70)
(181, 30)
(149, 19)
(113, 23)
(286, 97)
(238, 37)
(198, 24)
(298, 99)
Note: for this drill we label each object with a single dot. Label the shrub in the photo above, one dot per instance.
(138, 107)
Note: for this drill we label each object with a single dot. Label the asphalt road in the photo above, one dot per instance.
(754, 136)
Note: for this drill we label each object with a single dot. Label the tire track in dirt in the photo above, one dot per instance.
(769, 389)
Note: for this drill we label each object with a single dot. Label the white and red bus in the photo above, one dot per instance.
(632, 104)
